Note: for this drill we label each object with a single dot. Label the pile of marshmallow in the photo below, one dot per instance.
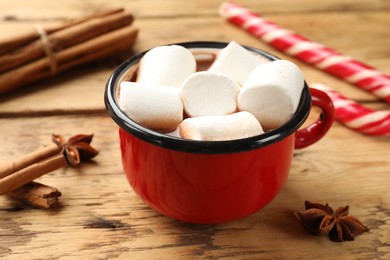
(240, 95)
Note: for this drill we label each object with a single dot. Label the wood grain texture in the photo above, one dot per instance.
(101, 217)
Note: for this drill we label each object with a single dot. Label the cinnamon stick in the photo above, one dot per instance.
(28, 174)
(78, 42)
(98, 47)
(16, 178)
(37, 194)
(18, 41)
(29, 159)
(64, 38)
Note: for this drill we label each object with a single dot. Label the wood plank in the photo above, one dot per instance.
(46, 10)
(61, 94)
(102, 217)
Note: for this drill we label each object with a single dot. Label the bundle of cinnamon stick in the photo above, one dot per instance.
(46, 52)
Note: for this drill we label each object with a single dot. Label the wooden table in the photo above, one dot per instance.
(101, 217)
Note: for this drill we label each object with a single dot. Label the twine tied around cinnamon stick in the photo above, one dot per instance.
(47, 46)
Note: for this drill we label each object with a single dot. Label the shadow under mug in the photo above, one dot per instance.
(208, 182)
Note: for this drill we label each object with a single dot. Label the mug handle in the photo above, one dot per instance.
(315, 131)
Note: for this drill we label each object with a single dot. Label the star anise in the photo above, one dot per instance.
(320, 219)
(76, 149)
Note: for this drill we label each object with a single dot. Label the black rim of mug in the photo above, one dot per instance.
(194, 146)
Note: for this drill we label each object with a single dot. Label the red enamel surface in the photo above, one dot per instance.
(205, 188)
(316, 130)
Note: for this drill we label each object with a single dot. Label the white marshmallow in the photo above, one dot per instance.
(175, 133)
(166, 66)
(156, 107)
(218, 128)
(236, 62)
(207, 93)
(272, 93)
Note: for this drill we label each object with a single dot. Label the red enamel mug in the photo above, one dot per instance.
(208, 182)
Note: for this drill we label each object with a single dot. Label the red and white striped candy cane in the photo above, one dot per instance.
(356, 116)
(324, 58)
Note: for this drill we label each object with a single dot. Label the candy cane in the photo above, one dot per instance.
(324, 58)
(357, 116)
